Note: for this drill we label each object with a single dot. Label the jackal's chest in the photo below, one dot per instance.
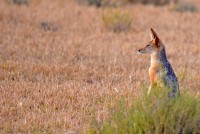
(157, 75)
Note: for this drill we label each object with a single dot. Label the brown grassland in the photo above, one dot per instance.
(58, 77)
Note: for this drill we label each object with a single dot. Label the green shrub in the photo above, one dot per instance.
(154, 114)
(117, 20)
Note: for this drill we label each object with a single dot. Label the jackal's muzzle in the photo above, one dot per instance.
(141, 51)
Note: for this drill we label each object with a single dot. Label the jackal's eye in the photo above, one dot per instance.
(148, 45)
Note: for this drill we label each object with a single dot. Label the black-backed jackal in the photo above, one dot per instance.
(160, 72)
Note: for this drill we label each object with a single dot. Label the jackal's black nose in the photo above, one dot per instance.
(141, 51)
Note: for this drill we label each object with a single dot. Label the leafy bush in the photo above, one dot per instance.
(155, 113)
(184, 7)
(117, 20)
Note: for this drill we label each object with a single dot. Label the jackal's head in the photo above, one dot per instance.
(154, 45)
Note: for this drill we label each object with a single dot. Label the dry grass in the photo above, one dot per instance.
(58, 81)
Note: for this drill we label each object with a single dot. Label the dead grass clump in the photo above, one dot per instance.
(117, 20)
(115, 3)
(184, 7)
(19, 2)
(154, 2)
(46, 26)
(103, 3)
(97, 3)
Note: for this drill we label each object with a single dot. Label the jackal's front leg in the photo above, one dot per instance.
(149, 89)
(152, 76)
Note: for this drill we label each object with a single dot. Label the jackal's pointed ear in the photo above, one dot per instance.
(154, 36)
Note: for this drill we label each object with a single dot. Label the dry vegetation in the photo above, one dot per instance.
(60, 80)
